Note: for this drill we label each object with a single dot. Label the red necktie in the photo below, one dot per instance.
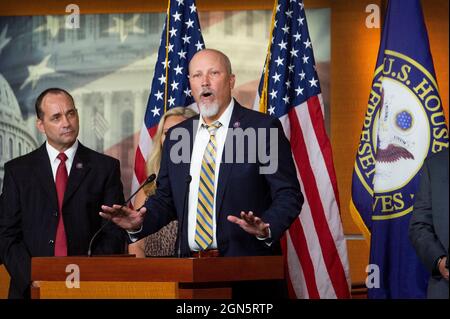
(61, 183)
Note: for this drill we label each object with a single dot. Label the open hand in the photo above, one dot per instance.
(124, 217)
(251, 224)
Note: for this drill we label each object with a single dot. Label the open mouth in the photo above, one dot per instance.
(206, 94)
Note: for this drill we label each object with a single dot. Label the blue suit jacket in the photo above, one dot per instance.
(276, 198)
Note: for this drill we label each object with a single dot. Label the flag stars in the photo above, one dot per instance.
(279, 61)
(189, 23)
(291, 68)
(155, 111)
(178, 70)
(186, 39)
(276, 77)
(199, 45)
(176, 16)
(288, 84)
(301, 5)
(286, 99)
(282, 45)
(297, 36)
(305, 59)
(307, 44)
(182, 54)
(271, 110)
(171, 101)
(187, 92)
(313, 82)
(302, 75)
(180, 2)
(285, 29)
(294, 52)
(299, 90)
(174, 85)
(300, 21)
(166, 63)
(273, 94)
(162, 79)
(193, 8)
(173, 32)
(159, 95)
(170, 47)
(289, 13)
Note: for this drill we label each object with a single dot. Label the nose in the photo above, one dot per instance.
(205, 81)
(65, 121)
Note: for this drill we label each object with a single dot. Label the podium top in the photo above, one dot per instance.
(189, 270)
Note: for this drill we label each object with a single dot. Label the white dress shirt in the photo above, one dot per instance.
(198, 149)
(54, 161)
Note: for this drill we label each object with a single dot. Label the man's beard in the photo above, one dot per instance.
(208, 110)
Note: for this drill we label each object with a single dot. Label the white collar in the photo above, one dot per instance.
(53, 152)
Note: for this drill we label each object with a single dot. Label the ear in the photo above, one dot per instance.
(232, 80)
(40, 126)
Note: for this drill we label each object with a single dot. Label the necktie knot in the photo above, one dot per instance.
(62, 157)
(212, 129)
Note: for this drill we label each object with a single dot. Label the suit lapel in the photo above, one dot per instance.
(43, 171)
(225, 168)
(80, 168)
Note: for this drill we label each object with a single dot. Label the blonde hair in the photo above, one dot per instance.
(154, 159)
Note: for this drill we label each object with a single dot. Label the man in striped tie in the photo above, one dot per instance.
(230, 199)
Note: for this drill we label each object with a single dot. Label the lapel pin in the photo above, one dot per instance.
(79, 165)
(237, 124)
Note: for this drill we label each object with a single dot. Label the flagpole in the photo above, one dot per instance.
(167, 56)
(263, 98)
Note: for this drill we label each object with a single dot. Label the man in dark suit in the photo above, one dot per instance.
(428, 229)
(51, 196)
(239, 203)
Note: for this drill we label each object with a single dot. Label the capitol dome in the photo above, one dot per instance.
(15, 139)
(9, 107)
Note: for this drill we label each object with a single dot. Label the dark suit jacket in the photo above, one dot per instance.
(29, 210)
(276, 198)
(428, 230)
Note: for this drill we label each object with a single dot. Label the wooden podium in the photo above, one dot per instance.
(147, 278)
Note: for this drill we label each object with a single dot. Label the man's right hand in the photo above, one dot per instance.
(124, 217)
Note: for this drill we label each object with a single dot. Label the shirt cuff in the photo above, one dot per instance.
(267, 240)
(133, 234)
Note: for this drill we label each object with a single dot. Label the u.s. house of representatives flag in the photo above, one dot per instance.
(180, 40)
(404, 123)
(314, 247)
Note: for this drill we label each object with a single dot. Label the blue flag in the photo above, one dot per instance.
(404, 123)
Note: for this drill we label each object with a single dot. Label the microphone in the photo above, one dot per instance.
(149, 179)
(185, 211)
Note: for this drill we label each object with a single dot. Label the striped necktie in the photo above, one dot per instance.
(204, 224)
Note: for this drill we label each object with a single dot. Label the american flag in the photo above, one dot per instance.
(170, 85)
(314, 247)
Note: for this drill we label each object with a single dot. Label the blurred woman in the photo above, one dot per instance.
(161, 243)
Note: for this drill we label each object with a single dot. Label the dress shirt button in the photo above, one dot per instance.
(51, 242)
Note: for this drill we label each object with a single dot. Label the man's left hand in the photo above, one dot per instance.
(251, 224)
